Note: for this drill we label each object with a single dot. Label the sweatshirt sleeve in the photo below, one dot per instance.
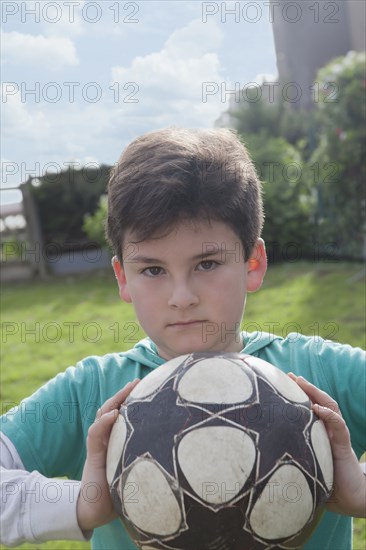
(343, 370)
(49, 428)
(43, 440)
(35, 508)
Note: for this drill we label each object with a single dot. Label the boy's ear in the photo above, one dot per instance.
(257, 266)
(121, 280)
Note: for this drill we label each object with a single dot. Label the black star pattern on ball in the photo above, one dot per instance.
(210, 530)
(280, 426)
(155, 428)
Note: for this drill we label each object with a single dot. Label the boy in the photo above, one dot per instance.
(185, 217)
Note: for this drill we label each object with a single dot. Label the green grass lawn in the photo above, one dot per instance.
(47, 327)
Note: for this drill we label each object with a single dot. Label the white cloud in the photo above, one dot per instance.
(44, 132)
(171, 81)
(172, 76)
(194, 40)
(51, 52)
(17, 120)
(170, 93)
(56, 17)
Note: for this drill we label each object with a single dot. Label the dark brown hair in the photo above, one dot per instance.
(177, 174)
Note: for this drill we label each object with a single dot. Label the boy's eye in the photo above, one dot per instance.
(207, 265)
(152, 271)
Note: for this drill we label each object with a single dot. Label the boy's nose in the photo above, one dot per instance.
(182, 296)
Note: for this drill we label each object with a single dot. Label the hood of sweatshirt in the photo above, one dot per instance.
(145, 351)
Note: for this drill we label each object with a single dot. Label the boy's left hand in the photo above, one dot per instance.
(94, 505)
(349, 486)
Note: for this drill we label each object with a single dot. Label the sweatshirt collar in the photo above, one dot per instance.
(145, 351)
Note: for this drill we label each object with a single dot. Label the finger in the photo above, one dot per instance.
(116, 400)
(99, 432)
(335, 425)
(315, 394)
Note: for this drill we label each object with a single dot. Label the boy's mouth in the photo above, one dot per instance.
(186, 323)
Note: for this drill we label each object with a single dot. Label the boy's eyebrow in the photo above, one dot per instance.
(146, 260)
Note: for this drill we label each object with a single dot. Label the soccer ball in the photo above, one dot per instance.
(219, 452)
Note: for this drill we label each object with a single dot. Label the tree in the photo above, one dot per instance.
(275, 118)
(287, 201)
(338, 160)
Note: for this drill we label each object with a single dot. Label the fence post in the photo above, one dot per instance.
(34, 228)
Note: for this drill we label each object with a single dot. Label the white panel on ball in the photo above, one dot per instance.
(228, 455)
(285, 505)
(149, 385)
(225, 382)
(323, 451)
(153, 508)
(281, 381)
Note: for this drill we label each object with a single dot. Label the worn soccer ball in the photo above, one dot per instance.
(219, 452)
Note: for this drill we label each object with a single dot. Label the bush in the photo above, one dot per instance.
(64, 199)
(94, 224)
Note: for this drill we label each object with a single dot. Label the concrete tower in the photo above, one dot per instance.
(309, 34)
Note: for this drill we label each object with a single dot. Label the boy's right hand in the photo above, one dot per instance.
(95, 506)
(349, 487)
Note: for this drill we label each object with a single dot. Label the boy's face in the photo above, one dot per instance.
(189, 287)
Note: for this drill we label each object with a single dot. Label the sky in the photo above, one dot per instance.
(81, 79)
